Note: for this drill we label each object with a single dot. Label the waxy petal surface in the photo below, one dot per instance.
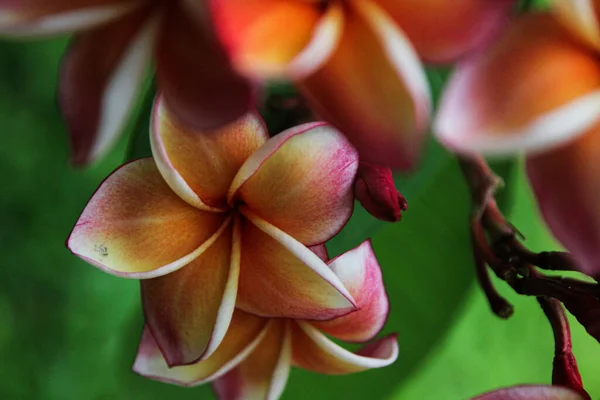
(245, 333)
(536, 88)
(360, 273)
(301, 181)
(373, 88)
(189, 310)
(267, 38)
(51, 17)
(282, 278)
(566, 182)
(200, 166)
(195, 76)
(99, 83)
(443, 31)
(581, 18)
(136, 226)
(264, 373)
(531, 392)
(314, 351)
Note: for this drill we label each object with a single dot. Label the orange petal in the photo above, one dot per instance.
(135, 226)
(99, 83)
(195, 76)
(535, 89)
(301, 181)
(566, 182)
(200, 166)
(360, 273)
(264, 374)
(270, 38)
(581, 18)
(314, 351)
(189, 311)
(380, 101)
(282, 278)
(51, 17)
(443, 31)
(245, 333)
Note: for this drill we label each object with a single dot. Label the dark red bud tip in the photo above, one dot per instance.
(375, 190)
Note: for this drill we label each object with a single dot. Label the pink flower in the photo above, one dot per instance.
(254, 359)
(107, 62)
(223, 219)
(354, 60)
(538, 90)
(531, 392)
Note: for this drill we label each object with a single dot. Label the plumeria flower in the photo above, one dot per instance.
(538, 90)
(254, 359)
(532, 392)
(223, 218)
(354, 61)
(106, 64)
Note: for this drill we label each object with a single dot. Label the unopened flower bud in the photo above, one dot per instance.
(376, 191)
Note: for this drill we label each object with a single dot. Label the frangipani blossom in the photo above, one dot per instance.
(354, 61)
(107, 62)
(538, 90)
(254, 359)
(222, 219)
(532, 392)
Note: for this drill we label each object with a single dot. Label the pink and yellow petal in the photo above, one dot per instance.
(99, 84)
(200, 166)
(280, 277)
(532, 392)
(194, 74)
(360, 273)
(566, 182)
(380, 101)
(245, 333)
(135, 226)
(581, 18)
(313, 351)
(264, 373)
(301, 181)
(52, 17)
(272, 38)
(443, 31)
(189, 311)
(535, 89)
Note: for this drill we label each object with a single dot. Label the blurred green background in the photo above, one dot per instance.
(69, 331)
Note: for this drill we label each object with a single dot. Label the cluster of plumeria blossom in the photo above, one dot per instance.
(225, 226)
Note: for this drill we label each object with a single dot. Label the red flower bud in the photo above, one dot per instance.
(376, 191)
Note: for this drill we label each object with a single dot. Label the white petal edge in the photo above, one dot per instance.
(283, 366)
(402, 56)
(344, 355)
(304, 254)
(548, 131)
(66, 22)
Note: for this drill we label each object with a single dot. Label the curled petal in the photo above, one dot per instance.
(360, 273)
(581, 18)
(531, 392)
(376, 191)
(301, 181)
(51, 17)
(195, 76)
(314, 351)
(536, 88)
(281, 278)
(380, 101)
(264, 374)
(272, 38)
(188, 311)
(245, 333)
(443, 31)
(200, 166)
(99, 83)
(566, 183)
(135, 226)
